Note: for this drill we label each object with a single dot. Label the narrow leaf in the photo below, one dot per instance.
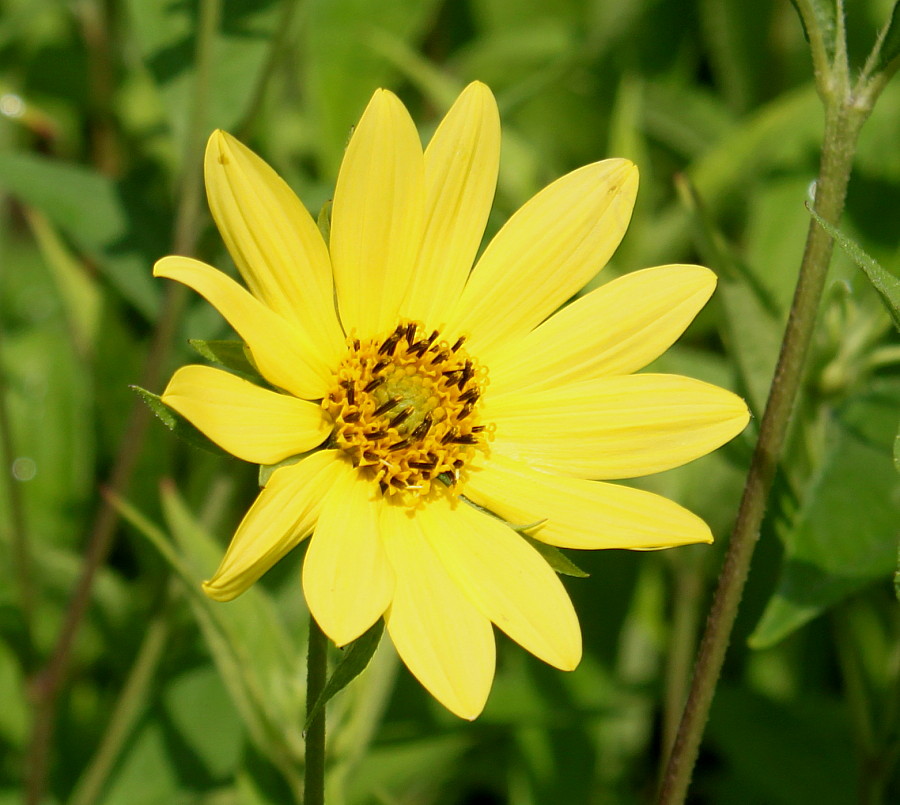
(887, 285)
(890, 46)
(354, 661)
(176, 423)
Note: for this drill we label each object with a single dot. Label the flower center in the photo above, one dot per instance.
(406, 407)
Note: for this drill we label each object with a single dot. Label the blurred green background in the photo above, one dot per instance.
(169, 698)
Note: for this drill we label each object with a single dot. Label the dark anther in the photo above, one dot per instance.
(373, 384)
(386, 406)
(423, 465)
(376, 434)
(352, 417)
(466, 438)
(422, 428)
(379, 366)
(477, 428)
(470, 396)
(467, 374)
(399, 445)
(410, 333)
(356, 344)
(441, 356)
(450, 373)
(449, 436)
(402, 416)
(383, 487)
(466, 410)
(396, 482)
(459, 342)
(368, 455)
(458, 463)
(390, 343)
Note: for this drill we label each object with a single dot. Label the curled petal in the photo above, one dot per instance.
(250, 422)
(283, 355)
(284, 514)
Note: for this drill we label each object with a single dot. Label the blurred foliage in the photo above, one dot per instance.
(173, 698)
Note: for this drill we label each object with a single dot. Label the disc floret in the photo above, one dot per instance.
(406, 406)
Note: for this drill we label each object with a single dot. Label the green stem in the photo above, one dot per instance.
(842, 123)
(277, 50)
(21, 554)
(316, 672)
(127, 709)
(48, 683)
(686, 614)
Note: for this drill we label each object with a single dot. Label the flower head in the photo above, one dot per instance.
(428, 386)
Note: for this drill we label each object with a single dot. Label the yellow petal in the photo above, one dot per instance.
(544, 254)
(507, 580)
(376, 221)
(446, 643)
(347, 579)
(283, 355)
(614, 330)
(275, 243)
(283, 514)
(461, 164)
(616, 427)
(250, 422)
(574, 513)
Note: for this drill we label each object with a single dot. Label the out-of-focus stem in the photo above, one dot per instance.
(316, 672)
(20, 548)
(46, 686)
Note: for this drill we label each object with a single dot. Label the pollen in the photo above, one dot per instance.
(406, 407)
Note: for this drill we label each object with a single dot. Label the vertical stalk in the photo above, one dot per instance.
(842, 124)
(316, 671)
(21, 554)
(46, 686)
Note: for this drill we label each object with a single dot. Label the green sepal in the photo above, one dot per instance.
(353, 662)
(324, 221)
(554, 557)
(266, 470)
(228, 354)
(176, 423)
(887, 285)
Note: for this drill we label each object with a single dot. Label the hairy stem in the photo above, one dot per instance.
(842, 123)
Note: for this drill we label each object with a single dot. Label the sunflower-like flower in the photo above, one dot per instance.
(444, 410)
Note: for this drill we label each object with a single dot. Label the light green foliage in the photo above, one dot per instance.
(715, 102)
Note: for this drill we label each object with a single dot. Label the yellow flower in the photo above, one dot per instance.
(429, 385)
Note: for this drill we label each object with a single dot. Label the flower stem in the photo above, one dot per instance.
(316, 672)
(843, 120)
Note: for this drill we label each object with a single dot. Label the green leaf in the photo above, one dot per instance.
(887, 285)
(822, 18)
(890, 47)
(102, 229)
(353, 662)
(555, 557)
(843, 535)
(229, 354)
(166, 35)
(176, 423)
(341, 66)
